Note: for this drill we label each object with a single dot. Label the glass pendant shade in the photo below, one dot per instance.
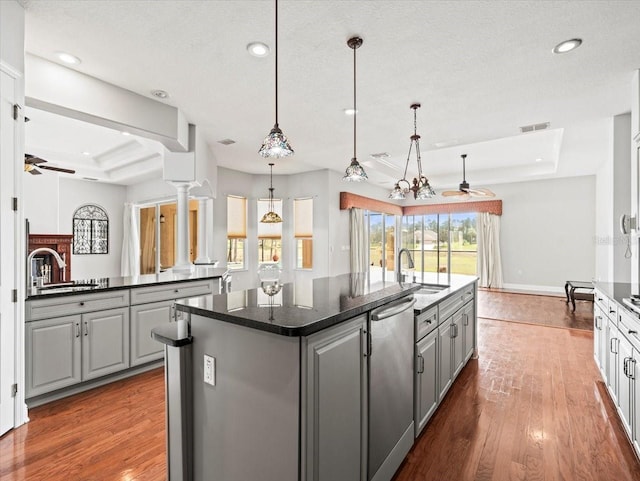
(355, 172)
(271, 217)
(397, 193)
(275, 145)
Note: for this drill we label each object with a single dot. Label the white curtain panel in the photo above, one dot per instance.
(489, 260)
(130, 264)
(358, 236)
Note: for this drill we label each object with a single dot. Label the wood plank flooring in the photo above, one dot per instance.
(530, 408)
(536, 309)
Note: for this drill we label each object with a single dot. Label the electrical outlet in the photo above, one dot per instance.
(209, 370)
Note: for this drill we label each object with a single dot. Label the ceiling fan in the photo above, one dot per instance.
(465, 191)
(31, 161)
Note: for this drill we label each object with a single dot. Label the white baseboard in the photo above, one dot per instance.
(535, 288)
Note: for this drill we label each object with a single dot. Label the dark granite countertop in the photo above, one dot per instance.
(615, 290)
(300, 308)
(112, 283)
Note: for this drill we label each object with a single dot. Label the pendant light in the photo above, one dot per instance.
(272, 216)
(355, 172)
(276, 144)
(421, 188)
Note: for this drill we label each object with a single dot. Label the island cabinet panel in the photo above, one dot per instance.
(426, 380)
(445, 355)
(53, 354)
(468, 329)
(613, 348)
(144, 318)
(634, 370)
(457, 335)
(246, 427)
(336, 399)
(105, 342)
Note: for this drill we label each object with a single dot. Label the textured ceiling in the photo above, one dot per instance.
(480, 70)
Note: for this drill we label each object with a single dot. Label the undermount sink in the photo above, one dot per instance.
(431, 289)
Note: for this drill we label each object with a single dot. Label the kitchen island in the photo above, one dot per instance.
(274, 383)
(85, 333)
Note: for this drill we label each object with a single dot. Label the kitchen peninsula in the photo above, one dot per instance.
(83, 334)
(283, 382)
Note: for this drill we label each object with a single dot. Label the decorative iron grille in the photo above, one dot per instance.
(90, 230)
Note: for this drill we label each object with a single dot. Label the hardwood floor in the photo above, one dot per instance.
(114, 432)
(530, 408)
(535, 309)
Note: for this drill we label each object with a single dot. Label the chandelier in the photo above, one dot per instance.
(421, 188)
(272, 216)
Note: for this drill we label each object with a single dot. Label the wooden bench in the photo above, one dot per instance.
(571, 287)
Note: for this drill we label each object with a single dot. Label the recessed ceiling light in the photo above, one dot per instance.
(125, 133)
(258, 49)
(86, 153)
(350, 111)
(161, 94)
(567, 45)
(539, 159)
(68, 58)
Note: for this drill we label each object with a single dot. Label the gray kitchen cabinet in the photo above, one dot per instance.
(105, 342)
(634, 371)
(52, 358)
(151, 307)
(599, 339)
(613, 342)
(336, 403)
(144, 318)
(426, 380)
(445, 355)
(457, 335)
(468, 330)
(625, 357)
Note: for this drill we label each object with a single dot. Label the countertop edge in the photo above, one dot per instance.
(300, 331)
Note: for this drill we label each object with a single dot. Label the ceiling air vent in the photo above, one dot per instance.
(226, 141)
(535, 127)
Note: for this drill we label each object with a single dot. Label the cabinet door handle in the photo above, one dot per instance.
(611, 345)
(86, 328)
(466, 319)
(77, 329)
(600, 298)
(632, 369)
(82, 303)
(611, 311)
(420, 364)
(624, 367)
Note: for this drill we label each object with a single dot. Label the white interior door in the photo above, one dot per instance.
(8, 257)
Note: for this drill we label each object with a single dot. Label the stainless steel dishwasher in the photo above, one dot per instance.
(390, 387)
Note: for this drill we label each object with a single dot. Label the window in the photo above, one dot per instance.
(90, 230)
(303, 232)
(441, 243)
(236, 231)
(382, 238)
(269, 235)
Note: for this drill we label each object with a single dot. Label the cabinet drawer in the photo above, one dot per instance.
(177, 290)
(454, 302)
(601, 301)
(77, 304)
(426, 322)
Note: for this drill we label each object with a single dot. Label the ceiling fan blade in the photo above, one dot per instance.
(481, 193)
(35, 172)
(31, 169)
(58, 169)
(451, 193)
(32, 159)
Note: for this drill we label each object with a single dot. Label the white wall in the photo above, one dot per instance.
(49, 203)
(621, 189)
(547, 232)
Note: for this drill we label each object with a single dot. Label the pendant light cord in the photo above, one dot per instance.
(276, 63)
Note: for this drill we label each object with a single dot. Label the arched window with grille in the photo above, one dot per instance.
(90, 230)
